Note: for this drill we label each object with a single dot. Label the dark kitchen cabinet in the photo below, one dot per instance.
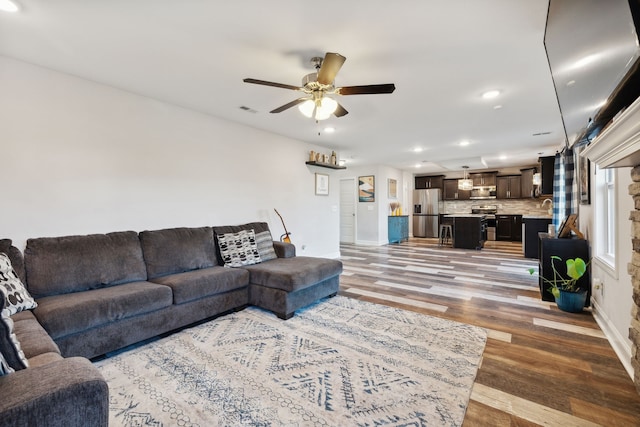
(509, 228)
(451, 191)
(508, 187)
(483, 179)
(527, 189)
(565, 249)
(546, 172)
(435, 181)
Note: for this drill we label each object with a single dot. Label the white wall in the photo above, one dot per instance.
(612, 301)
(80, 157)
(371, 223)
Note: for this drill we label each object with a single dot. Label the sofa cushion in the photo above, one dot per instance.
(15, 294)
(58, 265)
(291, 274)
(257, 227)
(238, 249)
(9, 344)
(176, 250)
(33, 339)
(192, 285)
(62, 315)
(264, 241)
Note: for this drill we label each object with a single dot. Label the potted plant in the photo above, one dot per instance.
(569, 296)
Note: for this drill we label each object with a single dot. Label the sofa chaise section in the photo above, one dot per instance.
(288, 282)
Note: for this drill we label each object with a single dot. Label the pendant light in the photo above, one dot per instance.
(465, 183)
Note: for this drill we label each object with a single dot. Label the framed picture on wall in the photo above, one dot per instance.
(322, 184)
(583, 168)
(392, 186)
(366, 188)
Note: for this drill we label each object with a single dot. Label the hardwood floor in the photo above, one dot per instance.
(541, 366)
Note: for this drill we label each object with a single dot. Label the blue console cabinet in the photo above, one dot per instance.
(398, 228)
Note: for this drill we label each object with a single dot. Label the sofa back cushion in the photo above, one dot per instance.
(257, 227)
(176, 250)
(59, 265)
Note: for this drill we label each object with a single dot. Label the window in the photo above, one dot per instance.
(605, 218)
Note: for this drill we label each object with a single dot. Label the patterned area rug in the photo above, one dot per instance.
(339, 362)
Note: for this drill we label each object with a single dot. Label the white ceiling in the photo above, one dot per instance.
(441, 55)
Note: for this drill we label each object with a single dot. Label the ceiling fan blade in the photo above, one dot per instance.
(331, 64)
(266, 83)
(288, 105)
(366, 89)
(340, 111)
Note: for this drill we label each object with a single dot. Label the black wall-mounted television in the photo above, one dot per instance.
(593, 49)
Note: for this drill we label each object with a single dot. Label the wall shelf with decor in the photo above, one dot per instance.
(325, 165)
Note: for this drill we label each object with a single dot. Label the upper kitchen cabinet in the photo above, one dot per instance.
(483, 179)
(527, 189)
(546, 170)
(433, 181)
(451, 191)
(508, 187)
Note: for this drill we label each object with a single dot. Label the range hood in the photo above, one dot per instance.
(483, 192)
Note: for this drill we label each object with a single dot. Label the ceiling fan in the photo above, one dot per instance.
(316, 85)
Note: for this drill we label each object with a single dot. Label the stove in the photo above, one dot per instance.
(489, 211)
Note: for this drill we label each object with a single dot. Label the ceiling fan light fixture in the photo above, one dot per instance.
(325, 108)
(307, 108)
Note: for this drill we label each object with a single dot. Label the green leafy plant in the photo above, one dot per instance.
(569, 281)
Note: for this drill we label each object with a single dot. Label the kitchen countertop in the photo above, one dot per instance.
(536, 217)
(465, 215)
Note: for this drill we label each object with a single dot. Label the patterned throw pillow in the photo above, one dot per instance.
(238, 249)
(264, 241)
(9, 344)
(4, 366)
(16, 295)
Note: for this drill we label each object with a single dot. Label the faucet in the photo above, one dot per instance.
(550, 205)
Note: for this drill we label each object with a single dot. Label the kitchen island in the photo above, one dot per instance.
(469, 230)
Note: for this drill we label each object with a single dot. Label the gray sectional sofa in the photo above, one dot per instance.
(99, 293)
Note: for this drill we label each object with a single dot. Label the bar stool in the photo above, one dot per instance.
(446, 235)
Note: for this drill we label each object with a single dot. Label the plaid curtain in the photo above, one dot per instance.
(565, 187)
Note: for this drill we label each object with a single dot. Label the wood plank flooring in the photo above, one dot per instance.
(541, 366)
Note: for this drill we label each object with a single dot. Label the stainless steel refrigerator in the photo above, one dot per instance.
(427, 205)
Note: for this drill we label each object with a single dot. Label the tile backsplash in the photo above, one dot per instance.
(515, 206)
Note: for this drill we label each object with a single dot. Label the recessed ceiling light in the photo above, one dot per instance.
(417, 150)
(8, 6)
(418, 165)
(329, 130)
(571, 82)
(464, 143)
(490, 94)
(497, 107)
(503, 157)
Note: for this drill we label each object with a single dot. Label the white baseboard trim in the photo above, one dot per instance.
(618, 342)
(368, 243)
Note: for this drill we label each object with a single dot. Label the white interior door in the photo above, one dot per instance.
(348, 210)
